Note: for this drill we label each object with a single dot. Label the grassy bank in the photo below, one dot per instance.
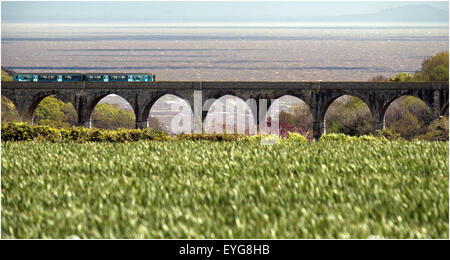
(201, 189)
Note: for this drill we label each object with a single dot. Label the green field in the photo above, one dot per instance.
(201, 189)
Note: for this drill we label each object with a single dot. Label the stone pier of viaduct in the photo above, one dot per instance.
(142, 95)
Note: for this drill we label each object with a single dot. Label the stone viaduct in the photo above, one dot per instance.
(142, 95)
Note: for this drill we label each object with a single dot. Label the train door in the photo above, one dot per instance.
(130, 78)
(59, 78)
(105, 78)
(145, 78)
(35, 78)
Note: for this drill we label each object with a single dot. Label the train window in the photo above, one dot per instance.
(68, 77)
(98, 77)
(90, 77)
(51, 77)
(26, 77)
(114, 77)
(122, 77)
(138, 77)
(44, 77)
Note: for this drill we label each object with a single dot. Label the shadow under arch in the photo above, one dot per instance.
(54, 110)
(218, 121)
(348, 114)
(111, 111)
(169, 113)
(392, 99)
(333, 98)
(9, 110)
(294, 114)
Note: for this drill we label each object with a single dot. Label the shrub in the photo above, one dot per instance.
(295, 137)
(335, 137)
(437, 131)
(208, 137)
(13, 131)
(388, 134)
(346, 138)
(260, 138)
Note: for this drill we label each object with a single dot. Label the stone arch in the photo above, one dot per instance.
(250, 124)
(126, 115)
(148, 104)
(444, 111)
(91, 102)
(10, 111)
(389, 101)
(37, 98)
(298, 100)
(408, 115)
(209, 98)
(221, 93)
(180, 116)
(70, 113)
(304, 97)
(330, 100)
(360, 126)
(10, 96)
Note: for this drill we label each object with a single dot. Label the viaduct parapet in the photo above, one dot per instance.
(142, 95)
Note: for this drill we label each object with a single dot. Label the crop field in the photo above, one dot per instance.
(203, 189)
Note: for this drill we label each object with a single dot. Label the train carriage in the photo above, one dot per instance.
(95, 77)
(48, 77)
(119, 77)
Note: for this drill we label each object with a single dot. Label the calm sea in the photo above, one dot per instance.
(223, 53)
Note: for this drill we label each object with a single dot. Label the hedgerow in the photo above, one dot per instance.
(346, 138)
(13, 131)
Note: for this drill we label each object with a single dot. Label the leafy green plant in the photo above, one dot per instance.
(13, 131)
(296, 137)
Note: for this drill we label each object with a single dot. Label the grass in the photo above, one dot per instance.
(201, 189)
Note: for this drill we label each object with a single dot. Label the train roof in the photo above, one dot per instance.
(66, 73)
(118, 73)
(46, 73)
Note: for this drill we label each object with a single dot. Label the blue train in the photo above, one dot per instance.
(71, 77)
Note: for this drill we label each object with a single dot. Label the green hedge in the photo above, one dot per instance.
(347, 138)
(209, 137)
(13, 131)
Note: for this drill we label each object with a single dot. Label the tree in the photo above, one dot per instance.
(437, 130)
(434, 68)
(299, 117)
(110, 116)
(349, 115)
(378, 78)
(402, 77)
(408, 126)
(408, 116)
(52, 111)
(155, 123)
